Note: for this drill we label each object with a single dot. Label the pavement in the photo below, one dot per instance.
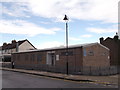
(106, 80)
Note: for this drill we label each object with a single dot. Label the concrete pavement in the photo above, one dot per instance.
(107, 80)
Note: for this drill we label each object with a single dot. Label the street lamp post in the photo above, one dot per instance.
(66, 21)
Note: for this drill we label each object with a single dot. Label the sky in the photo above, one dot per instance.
(41, 21)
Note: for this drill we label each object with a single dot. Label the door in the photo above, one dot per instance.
(50, 59)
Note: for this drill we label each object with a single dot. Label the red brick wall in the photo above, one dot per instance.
(31, 58)
(99, 57)
(114, 46)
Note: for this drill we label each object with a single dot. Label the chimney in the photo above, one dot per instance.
(116, 37)
(101, 40)
(17, 47)
(13, 41)
(4, 44)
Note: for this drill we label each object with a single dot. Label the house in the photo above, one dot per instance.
(91, 56)
(114, 45)
(7, 49)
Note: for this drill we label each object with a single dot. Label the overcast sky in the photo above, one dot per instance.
(41, 21)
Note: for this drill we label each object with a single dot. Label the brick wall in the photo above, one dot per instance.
(78, 61)
(114, 46)
(96, 56)
(39, 57)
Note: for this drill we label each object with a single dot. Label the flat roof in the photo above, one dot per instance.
(64, 47)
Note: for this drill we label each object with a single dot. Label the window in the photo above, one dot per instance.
(26, 57)
(32, 57)
(14, 57)
(18, 57)
(70, 53)
(39, 58)
(50, 60)
(84, 52)
(90, 53)
(63, 53)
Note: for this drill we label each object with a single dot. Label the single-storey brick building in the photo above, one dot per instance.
(80, 58)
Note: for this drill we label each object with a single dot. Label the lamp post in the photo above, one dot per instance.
(66, 21)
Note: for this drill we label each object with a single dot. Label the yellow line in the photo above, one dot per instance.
(56, 78)
(94, 82)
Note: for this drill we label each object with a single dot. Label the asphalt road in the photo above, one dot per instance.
(22, 80)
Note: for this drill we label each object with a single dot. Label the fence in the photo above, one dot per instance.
(100, 70)
(72, 70)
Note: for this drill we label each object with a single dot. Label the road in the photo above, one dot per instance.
(21, 80)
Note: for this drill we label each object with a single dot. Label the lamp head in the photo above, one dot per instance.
(65, 18)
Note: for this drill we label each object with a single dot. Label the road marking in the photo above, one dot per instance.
(94, 82)
(57, 79)
(103, 83)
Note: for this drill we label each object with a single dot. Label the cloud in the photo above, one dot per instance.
(86, 36)
(102, 30)
(102, 10)
(74, 39)
(24, 27)
(81, 38)
(49, 44)
(15, 9)
(13, 0)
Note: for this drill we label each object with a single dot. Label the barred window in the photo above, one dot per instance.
(18, 57)
(70, 53)
(26, 57)
(39, 58)
(14, 57)
(32, 57)
(90, 53)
